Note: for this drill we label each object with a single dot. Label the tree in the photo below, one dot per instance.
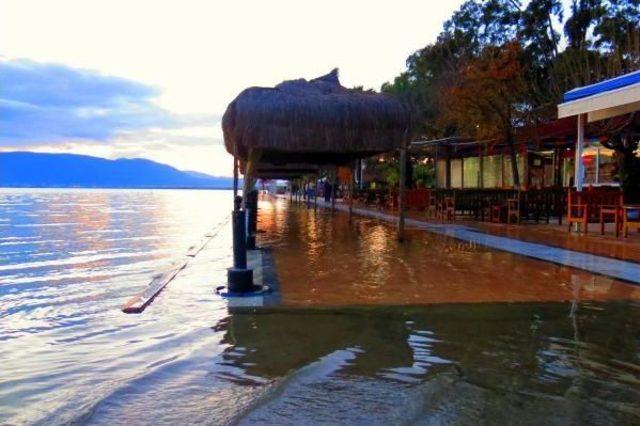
(625, 141)
(428, 71)
(541, 41)
(617, 34)
(501, 64)
(490, 98)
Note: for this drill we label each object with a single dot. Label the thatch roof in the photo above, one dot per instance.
(266, 170)
(289, 171)
(317, 121)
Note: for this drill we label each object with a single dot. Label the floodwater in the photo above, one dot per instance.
(369, 332)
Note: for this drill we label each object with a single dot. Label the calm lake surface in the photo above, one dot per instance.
(369, 332)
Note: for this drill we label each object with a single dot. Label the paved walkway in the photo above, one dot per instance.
(602, 265)
(552, 234)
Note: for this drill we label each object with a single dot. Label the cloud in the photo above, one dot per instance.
(42, 102)
(194, 148)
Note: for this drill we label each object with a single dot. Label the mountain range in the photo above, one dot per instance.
(30, 169)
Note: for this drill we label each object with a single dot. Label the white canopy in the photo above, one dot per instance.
(606, 99)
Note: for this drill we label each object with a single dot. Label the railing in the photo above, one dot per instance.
(480, 204)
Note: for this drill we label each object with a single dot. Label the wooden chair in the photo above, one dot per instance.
(514, 208)
(630, 220)
(584, 207)
(432, 206)
(577, 210)
(616, 213)
(447, 209)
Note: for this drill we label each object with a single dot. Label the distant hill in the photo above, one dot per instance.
(30, 169)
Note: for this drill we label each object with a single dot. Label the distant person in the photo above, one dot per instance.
(327, 191)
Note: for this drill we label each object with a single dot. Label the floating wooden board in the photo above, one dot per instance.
(195, 249)
(140, 301)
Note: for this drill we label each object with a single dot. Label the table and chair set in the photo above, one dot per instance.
(593, 205)
(602, 205)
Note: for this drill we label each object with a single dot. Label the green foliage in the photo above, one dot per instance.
(393, 176)
(463, 84)
(424, 175)
(602, 39)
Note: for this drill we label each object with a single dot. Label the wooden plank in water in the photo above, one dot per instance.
(197, 248)
(140, 301)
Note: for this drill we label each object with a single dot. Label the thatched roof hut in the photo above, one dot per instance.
(317, 122)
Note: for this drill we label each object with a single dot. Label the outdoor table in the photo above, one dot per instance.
(635, 220)
(614, 211)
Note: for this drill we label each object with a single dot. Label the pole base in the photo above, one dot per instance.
(240, 280)
(257, 291)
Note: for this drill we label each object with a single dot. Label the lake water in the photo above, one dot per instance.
(369, 332)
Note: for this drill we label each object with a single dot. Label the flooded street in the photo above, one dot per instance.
(431, 331)
(325, 260)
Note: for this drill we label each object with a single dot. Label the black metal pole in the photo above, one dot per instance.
(239, 278)
(239, 248)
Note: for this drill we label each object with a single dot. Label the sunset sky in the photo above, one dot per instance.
(151, 79)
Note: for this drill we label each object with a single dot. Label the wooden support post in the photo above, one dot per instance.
(249, 174)
(235, 172)
(401, 189)
(315, 193)
(435, 168)
(481, 172)
(448, 169)
(333, 189)
(351, 184)
(249, 183)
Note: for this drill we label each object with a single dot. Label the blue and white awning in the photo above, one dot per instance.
(608, 98)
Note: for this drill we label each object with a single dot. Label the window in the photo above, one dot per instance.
(456, 173)
(441, 174)
(508, 171)
(607, 167)
(471, 166)
(599, 166)
(492, 171)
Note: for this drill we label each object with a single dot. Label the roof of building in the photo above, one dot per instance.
(603, 86)
(317, 122)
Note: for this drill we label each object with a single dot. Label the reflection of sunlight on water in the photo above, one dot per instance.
(374, 246)
(312, 238)
(62, 285)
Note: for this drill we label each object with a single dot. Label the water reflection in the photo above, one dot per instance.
(367, 333)
(335, 262)
(505, 359)
(69, 259)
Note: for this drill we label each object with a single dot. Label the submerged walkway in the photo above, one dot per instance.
(601, 265)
